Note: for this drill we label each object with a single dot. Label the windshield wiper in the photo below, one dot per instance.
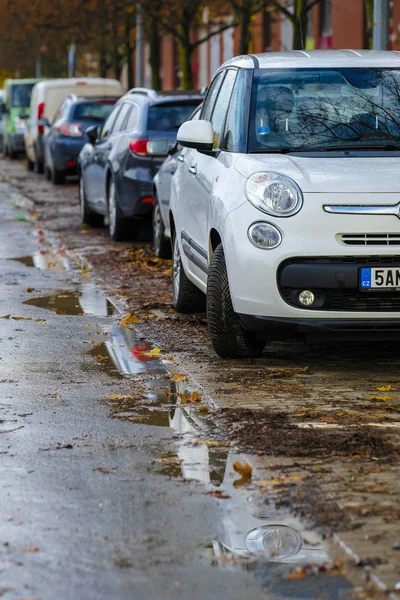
(279, 150)
(361, 147)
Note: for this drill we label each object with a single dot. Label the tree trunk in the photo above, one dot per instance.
(185, 62)
(300, 24)
(243, 15)
(103, 62)
(129, 53)
(155, 56)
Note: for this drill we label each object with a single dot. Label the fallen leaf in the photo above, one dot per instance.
(177, 377)
(207, 442)
(29, 290)
(171, 460)
(373, 489)
(129, 319)
(244, 469)
(120, 396)
(203, 409)
(386, 388)
(28, 548)
(382, 398)
(154, 352)
(217, 494)
(192, 398)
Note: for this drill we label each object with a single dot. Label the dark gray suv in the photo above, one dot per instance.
(118, 164)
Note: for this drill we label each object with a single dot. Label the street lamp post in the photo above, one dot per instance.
(381, 25)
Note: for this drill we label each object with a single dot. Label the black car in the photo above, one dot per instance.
(66, 136)
(118, 165)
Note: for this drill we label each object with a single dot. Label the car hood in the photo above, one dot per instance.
(313, 173)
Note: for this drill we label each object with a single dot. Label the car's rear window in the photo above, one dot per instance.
(93, 111)
(163, 117)
(21, 94)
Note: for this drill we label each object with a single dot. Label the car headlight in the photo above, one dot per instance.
(274, 194)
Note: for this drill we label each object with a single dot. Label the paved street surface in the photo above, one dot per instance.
(118, 438)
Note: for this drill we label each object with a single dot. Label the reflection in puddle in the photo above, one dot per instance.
(257, 531)
(91, 301)
(46, 261)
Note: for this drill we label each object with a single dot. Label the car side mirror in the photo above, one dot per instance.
(158, 147)
(196, 134)
(44, 122)
(93, 133)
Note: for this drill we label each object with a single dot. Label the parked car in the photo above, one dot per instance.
(285, 209)
(66, 136)
(118, 165)
(1, 120)
(16, 102)
(161, 193)
(47, 97)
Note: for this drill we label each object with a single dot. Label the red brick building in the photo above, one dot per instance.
(332, 24)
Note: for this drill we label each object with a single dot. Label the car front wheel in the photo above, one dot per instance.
(227, 334)
(187, 297)
(162, 246)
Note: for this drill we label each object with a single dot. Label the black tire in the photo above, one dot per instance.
(38, 166)
(47, 173)
(187, 297)
(5, 150)
(228, 336)
(29, 164)
(119, 228)
(12, 153)
(88, 216)
(57, 177)
(162, 246)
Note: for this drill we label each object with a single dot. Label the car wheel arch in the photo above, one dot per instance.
(213, 241)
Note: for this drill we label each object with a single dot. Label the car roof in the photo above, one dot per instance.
(152, 97)
(302, 59)
(90, 99)
(71, 81)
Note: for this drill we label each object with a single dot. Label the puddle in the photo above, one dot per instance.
(257, 532)
(90, 301)
(45, 261)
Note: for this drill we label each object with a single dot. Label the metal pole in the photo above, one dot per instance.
(139, 49)
(381, 25)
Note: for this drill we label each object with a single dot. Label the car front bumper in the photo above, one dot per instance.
(312, 256)
(17, 142)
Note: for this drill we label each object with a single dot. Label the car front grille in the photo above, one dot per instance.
(369, 239)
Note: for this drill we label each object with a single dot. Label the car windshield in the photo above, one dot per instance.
(93, 111)
(21, 94)
(325, 109)
(163, 117)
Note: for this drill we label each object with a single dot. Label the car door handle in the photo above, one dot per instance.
(193, 170)
(181, 158)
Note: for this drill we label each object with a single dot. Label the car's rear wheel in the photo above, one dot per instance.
(187, 297)
(47, 173)
(162, 246)
(37, 164)
(88, 216)
(29, 164)
(57, 177)
(228, 336)
(120, 229)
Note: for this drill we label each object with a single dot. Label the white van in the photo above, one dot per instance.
(45, 100)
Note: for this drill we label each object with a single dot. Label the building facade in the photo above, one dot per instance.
(333, 24)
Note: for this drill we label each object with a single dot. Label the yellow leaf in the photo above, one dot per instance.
(154, 352)
(179, 377)
(386, 388)
(382, 398)
(129, 319)
(120, 396)
(208, 442)
(244, 469)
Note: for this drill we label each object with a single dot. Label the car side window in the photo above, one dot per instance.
(108, 125)
(211, 96)
(235, 130)
(133, 118)
(221, 106)
(120, 120)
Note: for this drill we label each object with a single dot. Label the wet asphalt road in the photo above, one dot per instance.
(103, 478)
(85, 511)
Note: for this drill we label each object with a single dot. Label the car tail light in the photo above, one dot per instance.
(147, 200)
(70, 129)
(139, 147)
(40, 113)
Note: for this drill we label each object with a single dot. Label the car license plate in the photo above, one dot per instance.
(380, 278)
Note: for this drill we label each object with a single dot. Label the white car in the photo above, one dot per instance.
(285, 210)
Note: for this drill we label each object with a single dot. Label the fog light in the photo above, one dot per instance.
(274, 541)
(264, 235)
(306, 298)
